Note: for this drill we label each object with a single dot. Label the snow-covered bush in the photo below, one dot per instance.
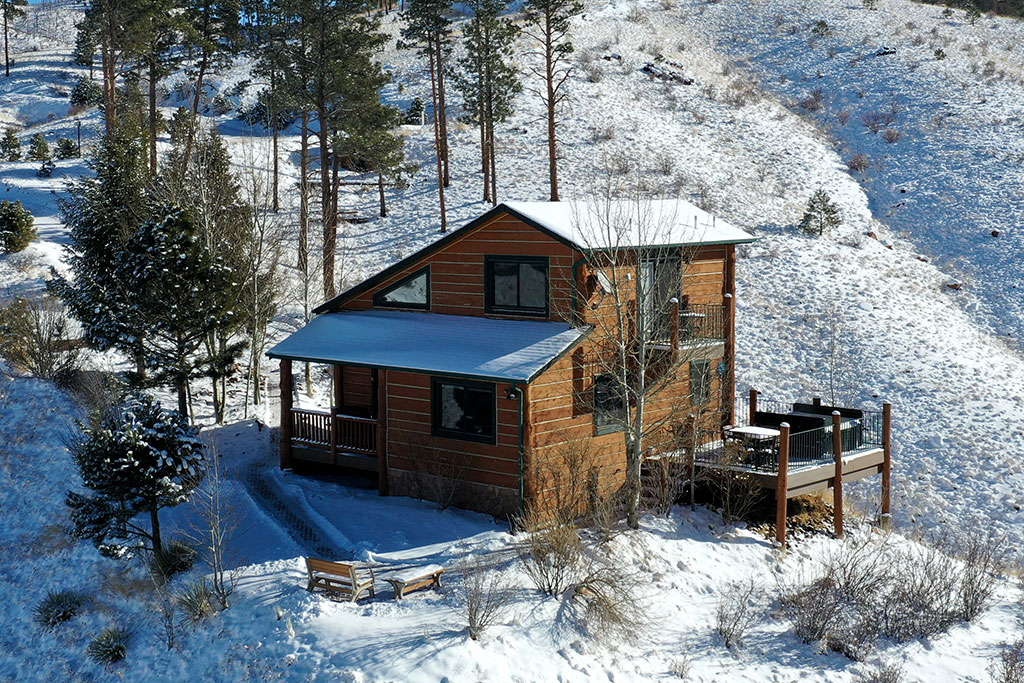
(17, 227)
(34, 335)
(487, 596)
(57, 607)
(890, 672)
(739, 608)
(110, 646)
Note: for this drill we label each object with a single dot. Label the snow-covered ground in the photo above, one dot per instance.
(736, 141)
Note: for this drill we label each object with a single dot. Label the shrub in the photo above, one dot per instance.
(603, 602)
(882, 673)
(821, 28)
(738, 609)
(821, 214)
(870, 4)
(940, 53)
(66, 148)
(891, 135)
(110, 646)
(1009, 667)
(34, 338)
(196, 601)
(858, 163)
(56, 608)
(487, 596)
(972, 12)
(665, 163)
(552, 555)
(38, 149)
(680, 668)
(815, 101)
(877, 120)
(843, 117)
(17, 227)
(175, 558)
(947, 13)
(86, 93)
(45, 170)
(10, 146)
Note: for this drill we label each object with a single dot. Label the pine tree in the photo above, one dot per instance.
(184, 293)
(368, 139)
(11, 10)
(86, 93)
(821, 214)
(158, 53)
(548, 23)
(136, 461)
(66, 148)
(10, 146)
(113, 26)
(38, 149)
(16, 227)
(428, 29)
(101, 213)
(488, 80)
(85, 46)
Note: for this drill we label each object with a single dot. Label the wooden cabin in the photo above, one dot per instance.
(469, 367)
(480, 371)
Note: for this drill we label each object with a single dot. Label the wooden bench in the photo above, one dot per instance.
(413, 579)
(339, 578)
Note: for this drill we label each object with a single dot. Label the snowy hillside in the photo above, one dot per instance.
(738, 142)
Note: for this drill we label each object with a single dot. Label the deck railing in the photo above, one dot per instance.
(312, 428)
(701, 322)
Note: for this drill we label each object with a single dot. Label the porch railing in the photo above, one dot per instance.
(313, 428)
(702, 322)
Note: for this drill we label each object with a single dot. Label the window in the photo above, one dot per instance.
(463, 410)
(516, 284)
(660, 281)
(410, 292)
(700, 382)
(609, 408)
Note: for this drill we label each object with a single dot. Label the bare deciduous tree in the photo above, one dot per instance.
(218, 519)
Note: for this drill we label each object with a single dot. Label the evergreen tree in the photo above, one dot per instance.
(327, 57)
(114, 26)
(428, 29)
(548, 23)
(101, 213)
(86, 93)
(85, 46)
(11, 10)
(38, 149)
(46, 169)
(66, 148)
(10, 146)
(222, 219)
(136, 461)
(184, 293)
(16, 227)
(488, 80)
(158, 53)
(368, 140)
(821, 214)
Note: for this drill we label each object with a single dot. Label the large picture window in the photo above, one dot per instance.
(609, 407)
(410, 292)
(516, 284)
(463, 410)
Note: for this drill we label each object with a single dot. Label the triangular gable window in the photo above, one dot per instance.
(410, 292)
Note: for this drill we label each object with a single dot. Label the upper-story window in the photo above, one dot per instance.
(516, 285)
(409, 292)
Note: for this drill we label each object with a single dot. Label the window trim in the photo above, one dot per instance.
(378, 296)
(602, 429)
(435, 409)
(489, 305)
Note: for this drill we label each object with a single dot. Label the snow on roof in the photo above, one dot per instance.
(626, 223)
(503, 350)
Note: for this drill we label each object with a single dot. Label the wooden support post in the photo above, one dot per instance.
(337, 400)
(380, 380)
(782, 485)
(338, 375)
(674, 304)
(729, 380)
(837, 482)
(886, 464)
(753, 406)
(816, 400)
(286, 413)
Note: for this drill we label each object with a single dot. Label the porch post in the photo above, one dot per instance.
(782, 484)
(729, 381)
(335, 410)
(338, 375)
(816, 400)
(381, 410)
(886, 464)
(837, 482)
(286, 413)
(753, 406)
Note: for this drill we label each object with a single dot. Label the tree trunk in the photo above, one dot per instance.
(380, 191)
(181, 386)
(218, 409)
(190, 141)
(152, 115)
(330, 227)
(154, 520)
(303, 263)
(273, 125)
(109, 84)
(7, 54)
(437, 141)
(549, 77)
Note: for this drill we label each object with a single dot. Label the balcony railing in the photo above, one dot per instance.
(341, 433)
(696, 323)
